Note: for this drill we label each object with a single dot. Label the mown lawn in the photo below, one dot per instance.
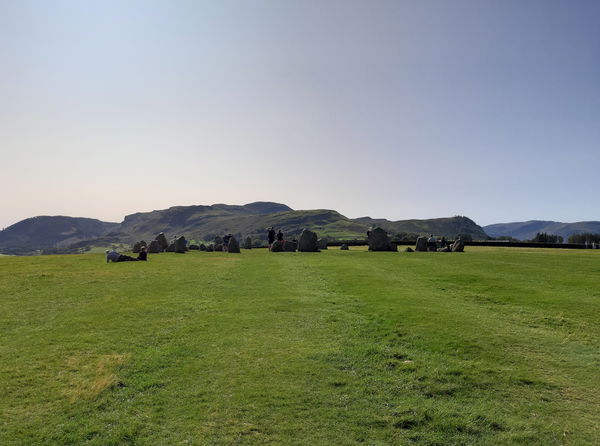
(493, 346)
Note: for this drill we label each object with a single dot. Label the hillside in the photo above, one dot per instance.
(449, 227)
(528, 229)
(66, 234)
(206, 222)
(44, 232)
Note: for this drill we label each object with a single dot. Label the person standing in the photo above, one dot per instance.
(279, 236)
(271, 236)
(431, 244)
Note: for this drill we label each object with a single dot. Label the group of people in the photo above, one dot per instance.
(114, 256)
(432, 242)
(271, 235)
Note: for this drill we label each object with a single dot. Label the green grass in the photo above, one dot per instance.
(491, 347)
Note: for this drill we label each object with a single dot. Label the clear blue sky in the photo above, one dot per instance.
(396, 109)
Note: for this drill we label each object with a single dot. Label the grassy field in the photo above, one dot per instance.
(495, 346)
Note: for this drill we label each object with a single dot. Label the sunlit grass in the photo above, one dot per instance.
(492, 346)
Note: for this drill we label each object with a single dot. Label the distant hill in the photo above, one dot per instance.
(449, 227)
(67, 234)
(201, 222)
(44, 232)
(528, 229)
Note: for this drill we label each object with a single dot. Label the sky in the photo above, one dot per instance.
(392, 109)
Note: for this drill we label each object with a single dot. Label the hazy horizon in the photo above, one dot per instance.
(391, 109)
(120, 220)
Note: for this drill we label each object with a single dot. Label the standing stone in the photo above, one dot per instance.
(218, 240)
(137, 246)
(218, 246)
(162, 241)
(421, 244)
(202, 247)
(194, 247)
(248, 243)
(210, 248)
(170, 248)
(344, 247)
(322, 243)
(285, 245)
(409, 249)
(307, 242)
(458, 246)
(181, 245)
(379, 241)
(154, 247)
(289, 246)
(233, 246)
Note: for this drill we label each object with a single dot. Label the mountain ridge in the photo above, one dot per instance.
(526, 230)
(204, 222)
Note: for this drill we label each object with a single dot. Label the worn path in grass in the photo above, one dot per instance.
(493, 346)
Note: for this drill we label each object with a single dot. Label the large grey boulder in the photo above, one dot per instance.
(154, 247)
(379, 241)
(218, 240)
(163, 244)
(218, 247)
(307, 242)
(457, 246)
(421, 245)
(248, 243)
(233, 246)
(344, 247)
(202, 247)
(137, 246)
(171, 247)
(289, 246)
(284, 246)
(181, 245)
(210, 248)
(322, 243)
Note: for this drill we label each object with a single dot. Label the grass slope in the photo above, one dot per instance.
(493, 346)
